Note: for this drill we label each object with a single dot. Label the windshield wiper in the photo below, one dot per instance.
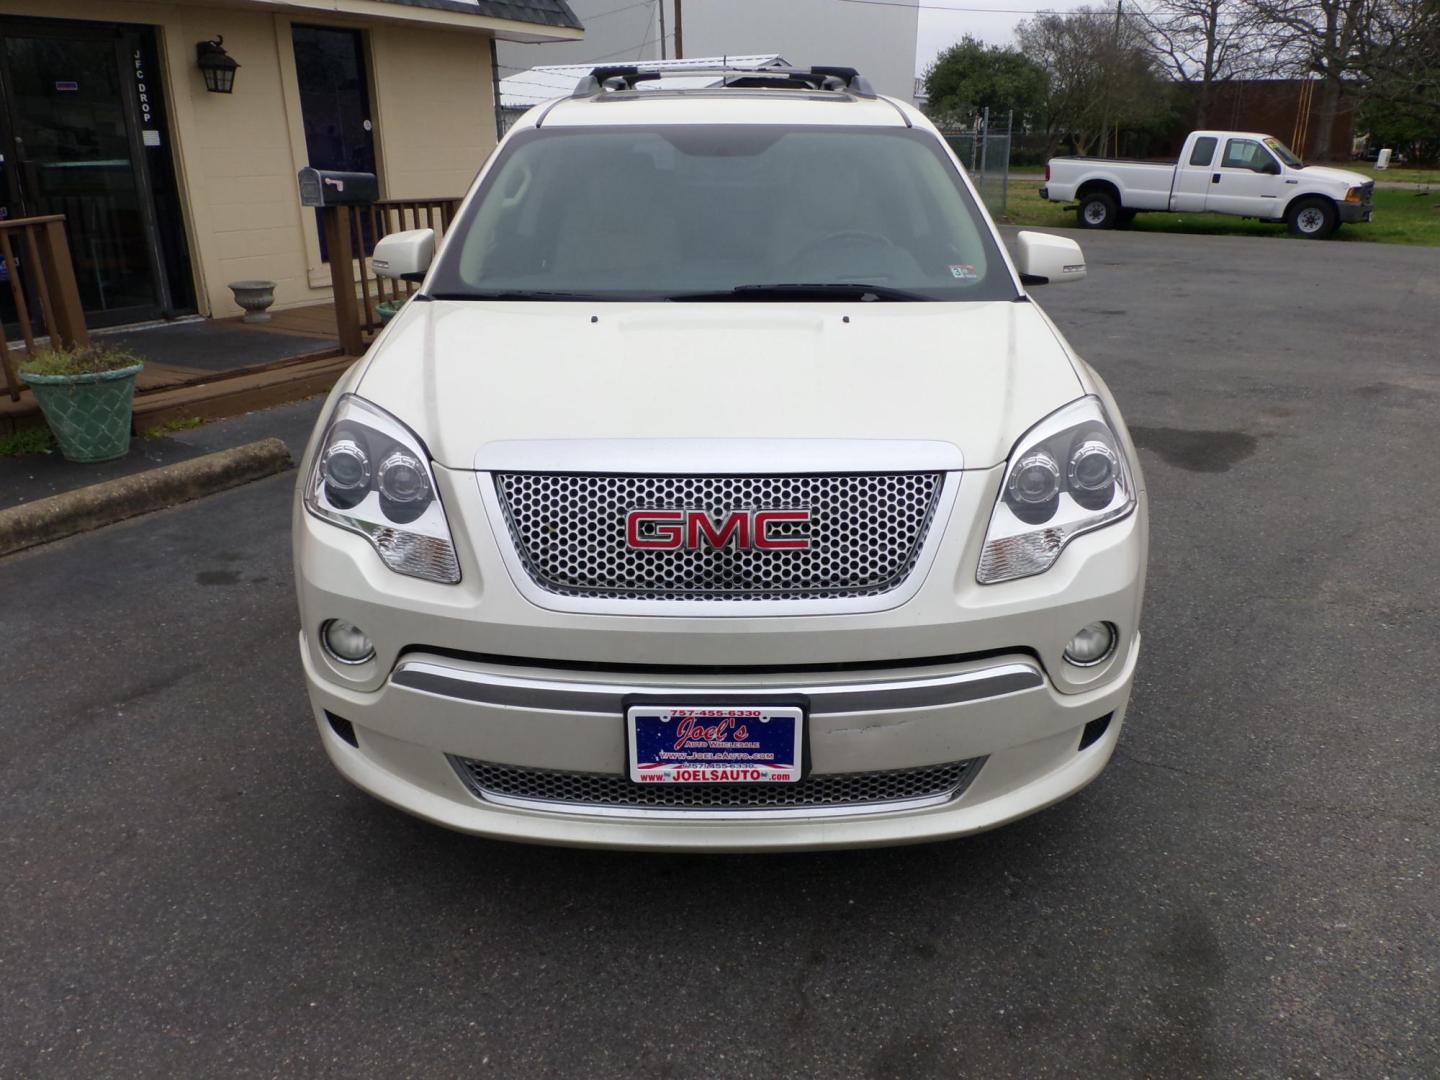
(804, 290)
(787, 290)
(521, 294)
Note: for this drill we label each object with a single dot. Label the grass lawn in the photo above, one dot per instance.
(1401, 217)
(1396, 173)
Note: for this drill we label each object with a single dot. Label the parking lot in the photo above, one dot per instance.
(188, 889)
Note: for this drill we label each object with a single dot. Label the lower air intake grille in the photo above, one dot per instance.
(863, 536)
(577, 792)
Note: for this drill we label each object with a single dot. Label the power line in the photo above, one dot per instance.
(646, 39)
(613, 11)
(590, 19)
(582, 63)
(981, 10)
(633, 48)
(511, 80)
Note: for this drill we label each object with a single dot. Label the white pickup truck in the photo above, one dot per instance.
(1219, 172)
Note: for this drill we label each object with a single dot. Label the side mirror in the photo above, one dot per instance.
(1043, 259)
(405, 255)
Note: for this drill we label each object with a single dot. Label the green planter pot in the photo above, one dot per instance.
(388, 309)
(89, 415)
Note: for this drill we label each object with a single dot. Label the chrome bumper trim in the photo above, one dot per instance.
(607, 698)
(770, 813)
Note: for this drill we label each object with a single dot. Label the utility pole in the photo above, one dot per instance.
(660, 6)
(679, 34)
(1105, 116)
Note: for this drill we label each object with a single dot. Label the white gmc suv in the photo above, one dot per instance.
(721, 488)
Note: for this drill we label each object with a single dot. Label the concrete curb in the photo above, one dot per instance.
(91, 507)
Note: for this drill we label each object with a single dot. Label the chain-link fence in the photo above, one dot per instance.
(985, 152)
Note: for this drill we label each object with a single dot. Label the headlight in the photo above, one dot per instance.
(1068, 475)
(372, 476)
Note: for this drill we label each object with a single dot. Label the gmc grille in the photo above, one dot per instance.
(865, 532)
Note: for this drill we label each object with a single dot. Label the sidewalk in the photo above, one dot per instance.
(38, 476)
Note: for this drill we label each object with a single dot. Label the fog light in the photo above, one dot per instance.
(1092, 644)
(346, 642)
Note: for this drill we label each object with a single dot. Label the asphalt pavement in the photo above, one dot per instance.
(188, 889)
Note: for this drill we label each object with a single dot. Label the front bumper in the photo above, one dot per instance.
(1352, 212)
(477, 672)
(1028, 744)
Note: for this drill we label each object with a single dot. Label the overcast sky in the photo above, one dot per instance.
(939, 29)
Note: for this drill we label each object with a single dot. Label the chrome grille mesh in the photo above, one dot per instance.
(866, 532)
(579, 790)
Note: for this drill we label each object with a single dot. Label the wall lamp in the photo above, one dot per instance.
(216, 65)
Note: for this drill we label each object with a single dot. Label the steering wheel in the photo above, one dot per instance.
(837, 237)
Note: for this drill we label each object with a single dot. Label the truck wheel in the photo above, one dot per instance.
(1314, 219)
(1098, 211)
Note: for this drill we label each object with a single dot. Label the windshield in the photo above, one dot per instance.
(716, 212)
(1280, 150)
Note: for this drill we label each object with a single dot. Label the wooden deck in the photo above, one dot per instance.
(312, 320)
(166, 392)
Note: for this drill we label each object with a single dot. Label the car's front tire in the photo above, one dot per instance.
(1312, 219)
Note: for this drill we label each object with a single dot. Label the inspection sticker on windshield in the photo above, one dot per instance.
(714, 744)
(963, 270)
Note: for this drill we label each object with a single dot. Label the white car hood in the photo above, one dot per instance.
(1335, 176)
(468, 374)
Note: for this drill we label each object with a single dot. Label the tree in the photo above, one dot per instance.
(1102, 75)
(1401, 64)
(1328, 38)
(971, 76)
(1202, 42)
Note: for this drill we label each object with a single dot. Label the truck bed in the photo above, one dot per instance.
(1145, 185)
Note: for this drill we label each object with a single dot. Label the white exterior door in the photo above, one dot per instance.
(1245, 181)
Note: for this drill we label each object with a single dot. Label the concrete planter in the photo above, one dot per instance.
(254, 297)
(90, 414)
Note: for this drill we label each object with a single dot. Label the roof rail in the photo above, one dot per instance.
(821, 77)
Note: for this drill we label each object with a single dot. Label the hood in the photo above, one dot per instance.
(468, 374)
(1334, 176)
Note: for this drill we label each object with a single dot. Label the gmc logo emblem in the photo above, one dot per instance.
(671, 530)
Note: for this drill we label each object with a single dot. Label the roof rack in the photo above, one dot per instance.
(821, 77)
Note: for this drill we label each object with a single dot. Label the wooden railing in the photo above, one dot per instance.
(42, 283)
(350, 231)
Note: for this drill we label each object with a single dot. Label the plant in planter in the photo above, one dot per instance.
(388, 309)
(86, 394)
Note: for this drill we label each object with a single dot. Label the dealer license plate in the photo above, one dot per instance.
(671, 744)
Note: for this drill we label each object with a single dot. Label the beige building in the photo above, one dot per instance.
(172, 190)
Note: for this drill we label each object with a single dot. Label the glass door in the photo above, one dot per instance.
(71, 146)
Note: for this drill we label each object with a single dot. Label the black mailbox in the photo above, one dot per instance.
(324, 187)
